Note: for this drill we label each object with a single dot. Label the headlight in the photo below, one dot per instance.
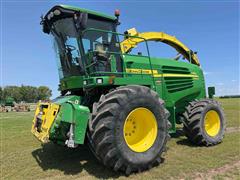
(56, 12)
(50, 15)
(99, 80)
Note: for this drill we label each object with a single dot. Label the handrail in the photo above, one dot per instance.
(131, 36)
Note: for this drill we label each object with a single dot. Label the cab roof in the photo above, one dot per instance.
(67, 11)
(88, 11)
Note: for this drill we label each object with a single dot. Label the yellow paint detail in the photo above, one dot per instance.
(141, 71)
(131, 42)
(155, 73)
(138, 71)
(212, 123)
(46, 116)
(148, 71)
(132, 32)
(140, 129)
(179, 75)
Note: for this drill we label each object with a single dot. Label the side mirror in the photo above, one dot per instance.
(211, 92)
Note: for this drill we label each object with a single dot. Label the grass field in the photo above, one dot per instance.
(23, 157)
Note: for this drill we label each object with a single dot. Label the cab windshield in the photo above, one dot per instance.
(66, 46)
(72, 49)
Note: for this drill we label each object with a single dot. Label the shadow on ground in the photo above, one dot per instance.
(186, 142)
(74, 161)
(71, 161)
(182, 139)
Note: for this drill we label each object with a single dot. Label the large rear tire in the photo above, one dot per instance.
(204, 122)
(129, 129)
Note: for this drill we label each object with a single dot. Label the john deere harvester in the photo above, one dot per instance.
(124, 106)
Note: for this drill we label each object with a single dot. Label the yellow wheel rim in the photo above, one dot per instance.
(140, 129)
(212, 123)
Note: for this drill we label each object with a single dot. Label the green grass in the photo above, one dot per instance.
(23, 157)
(233, 173)
(232, 111)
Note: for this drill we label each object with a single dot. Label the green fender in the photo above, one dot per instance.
(70, 112)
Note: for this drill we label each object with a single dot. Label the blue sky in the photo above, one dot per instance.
(209, 27)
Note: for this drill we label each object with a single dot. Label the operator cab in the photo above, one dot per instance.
(84, 41)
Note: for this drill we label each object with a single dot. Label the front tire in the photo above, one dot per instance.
(128, 129)
(204, 122)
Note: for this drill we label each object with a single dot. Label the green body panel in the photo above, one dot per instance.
(70, 112)
(175, 100)
(73, 82)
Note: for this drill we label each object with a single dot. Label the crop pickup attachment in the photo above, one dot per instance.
(44, 117)
(63, 121)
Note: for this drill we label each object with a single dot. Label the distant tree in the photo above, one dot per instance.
(1, 94)
(13, 92)
(29, 93)
(25, 93)
(44, 93)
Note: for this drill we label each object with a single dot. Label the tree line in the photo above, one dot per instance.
(230, 96)
(25, 93)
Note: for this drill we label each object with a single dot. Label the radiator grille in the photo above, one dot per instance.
(177, 83)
